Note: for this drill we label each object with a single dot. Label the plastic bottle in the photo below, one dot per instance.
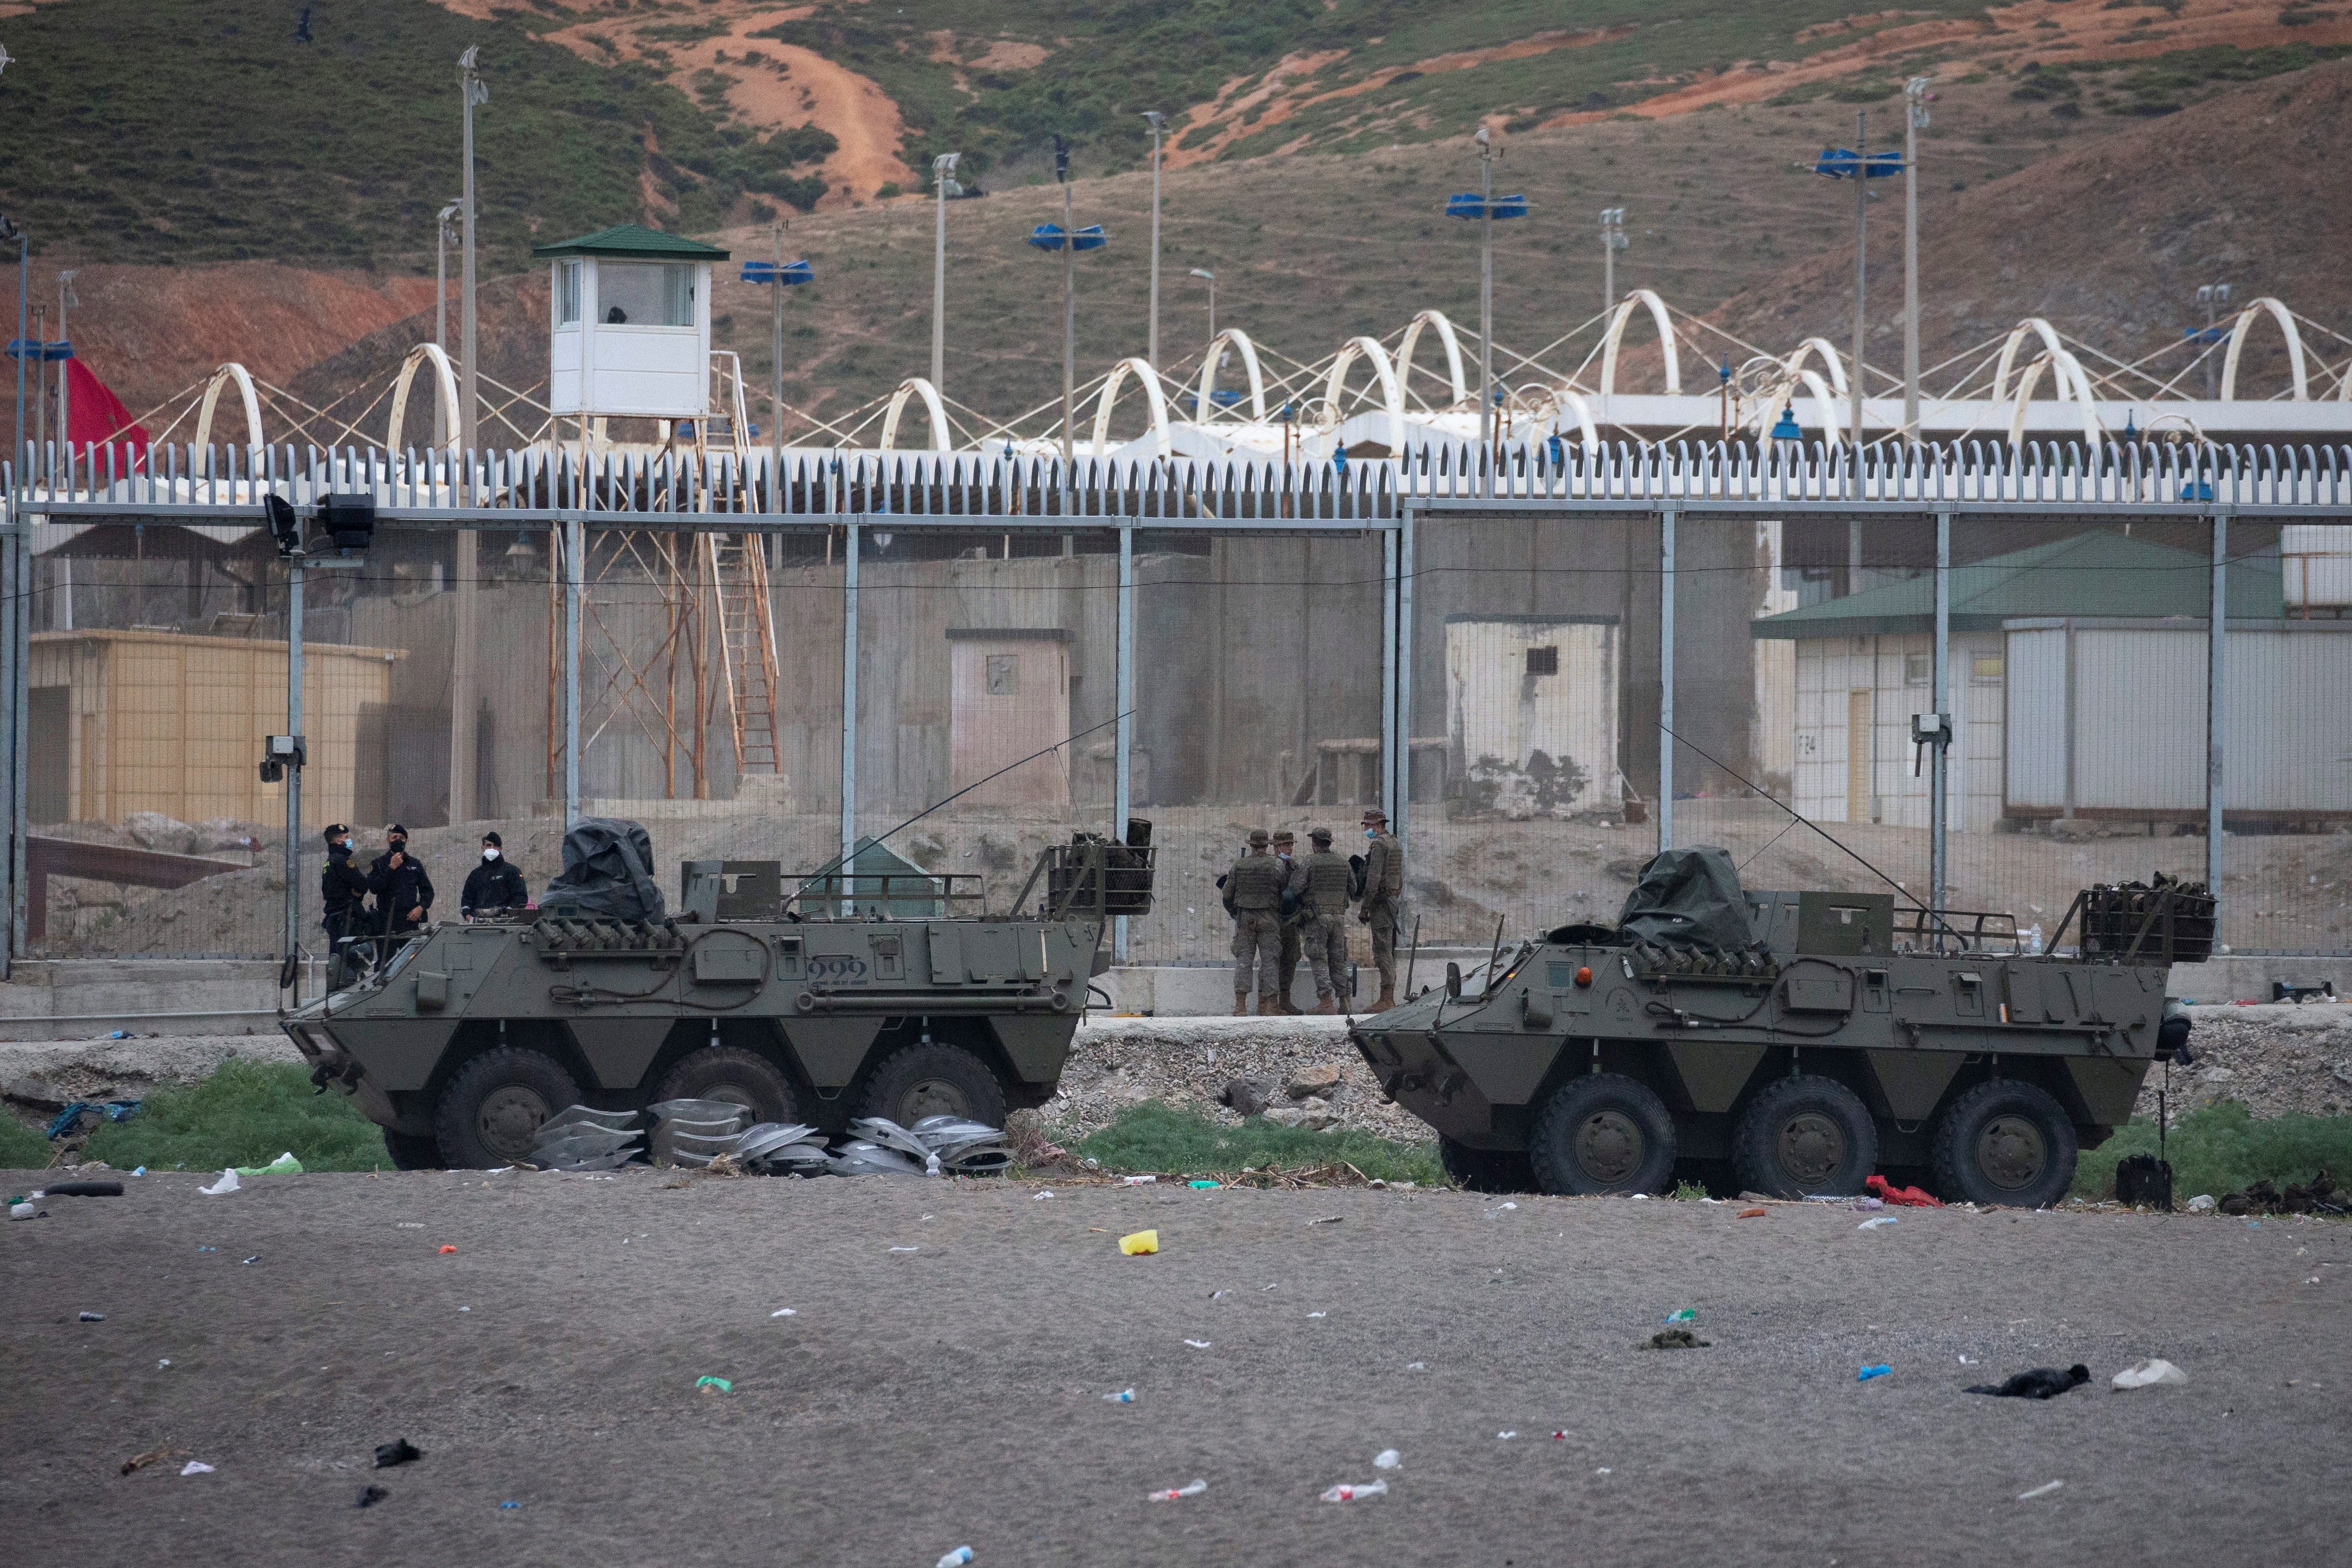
(1344, 1493)
(956, 1558)
(1172, 1493)
(1124, 1397)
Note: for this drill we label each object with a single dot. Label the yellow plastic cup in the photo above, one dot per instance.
(1141, 1242)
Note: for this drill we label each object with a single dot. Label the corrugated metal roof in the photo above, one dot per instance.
(2094, 574)
(634, 240)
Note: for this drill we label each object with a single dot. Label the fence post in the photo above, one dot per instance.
(1123, 694)
(1392, 769)
(20, 657)
(1400, 807)
(9, 608)
(574, 549)
(1939, 824)
(1666, 680)
(849, 707)
(2216, 639)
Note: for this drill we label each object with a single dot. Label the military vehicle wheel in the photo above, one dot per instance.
(2005, 1142)
(1601, 1134)
(737, 1076)
(492, 1108)
(1486, 1169)
(412, 1151)
(933, 1080)
(1805, 1135)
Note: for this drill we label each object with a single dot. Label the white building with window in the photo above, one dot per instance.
(629, 327)
(1865, 665)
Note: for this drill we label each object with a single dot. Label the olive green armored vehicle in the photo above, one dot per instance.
(854, 994)
(1802, 1040)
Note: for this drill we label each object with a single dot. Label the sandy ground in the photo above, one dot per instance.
(952, 1394)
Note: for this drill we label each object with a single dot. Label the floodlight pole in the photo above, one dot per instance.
(1861, 203)
(941, 167)
(65, 394)
(1158, 122)
(441, 315)
(1487, 308)
(776, 368)
(1204, 272)
(1915, 98)
(464, 732)
(13, 550)
(1069, 327)
(293, 770)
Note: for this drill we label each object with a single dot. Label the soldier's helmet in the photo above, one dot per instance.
(1321, 835)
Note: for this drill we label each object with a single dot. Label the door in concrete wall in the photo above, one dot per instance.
(1009, 696)
(1857, 756)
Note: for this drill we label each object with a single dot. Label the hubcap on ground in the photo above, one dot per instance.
(931, 1097)
(1811, 1147)
(1609, 1146)
(2010, 1153)
(508, 1118)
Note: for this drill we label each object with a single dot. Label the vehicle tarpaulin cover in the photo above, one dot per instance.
(607, 872)
(1689, 898)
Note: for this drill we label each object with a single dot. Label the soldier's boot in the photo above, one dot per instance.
(1324, 1003)
(1287, 1005)
(1388, 996)
(1270, 1005)
(1241, 1004)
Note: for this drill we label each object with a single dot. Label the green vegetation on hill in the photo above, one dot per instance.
(1106, 61)
(2164, 85)
(136, 131)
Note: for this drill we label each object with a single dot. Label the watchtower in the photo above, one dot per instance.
(629, 324)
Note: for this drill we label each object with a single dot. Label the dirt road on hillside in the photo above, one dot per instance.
(941, 1381)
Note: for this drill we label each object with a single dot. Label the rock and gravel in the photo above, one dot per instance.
(940, 1380)
(2272, 1058)
(1303, 1070)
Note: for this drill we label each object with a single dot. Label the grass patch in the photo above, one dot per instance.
(21, 1148)
(246, 1113)
(2221, 1148)
(1156, 1137)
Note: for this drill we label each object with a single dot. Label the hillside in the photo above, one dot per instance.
(2242, 189)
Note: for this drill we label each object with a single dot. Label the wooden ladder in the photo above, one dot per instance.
(738, 574)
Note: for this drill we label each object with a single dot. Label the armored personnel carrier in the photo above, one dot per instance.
(1805, 1040)
(855, 994)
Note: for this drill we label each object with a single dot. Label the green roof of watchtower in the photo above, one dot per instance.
(633, 240)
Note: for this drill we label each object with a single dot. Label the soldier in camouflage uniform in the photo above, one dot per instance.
(1326, 909)
(1293, 916)
(1254, 897)
(1383, 885)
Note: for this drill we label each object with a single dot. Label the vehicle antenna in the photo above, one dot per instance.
(835, 864)
(1935, 915)
(1495, 956)
(1413, 958)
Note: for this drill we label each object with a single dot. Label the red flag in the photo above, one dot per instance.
(96, 415)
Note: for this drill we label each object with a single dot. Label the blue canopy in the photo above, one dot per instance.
(1840, 162)
(1470, 204)
(1050, 236)
(771, 272)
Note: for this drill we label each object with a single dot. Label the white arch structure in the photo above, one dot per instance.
(2068, 371)
(1566, 399)
(1141, 370)
(2243, 326)
(230, 372)
(1616, 335)
(917, 386)
(2072, 383)
(1828, 353)
(1204, 410)
(1392, 395)
(1454, 376)
(445, 383)
(1824, 400)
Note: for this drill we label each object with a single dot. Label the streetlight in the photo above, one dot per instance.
(1069, 241)
(1916, 99)
(2209, 295)
(1204, 272)
(1612, 240)
(942, 172)
(779, 276)
(1861, 165)
(463, 728)
(1485, 207)
(67, 299)
(1159, 123)
(443, 224)
(13, 643)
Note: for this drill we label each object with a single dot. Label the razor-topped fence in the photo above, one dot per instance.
(1993, 671)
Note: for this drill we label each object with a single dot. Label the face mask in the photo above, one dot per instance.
(1371, 832)
(489, 853)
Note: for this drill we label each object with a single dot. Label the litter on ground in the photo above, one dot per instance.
(1883, 1219)
(196, 1467)
(1868, 1373)
(2155, 1371)
(1172, 1493)
(1387, 1459)
(1347, 1492)
(2041, 1383)
(1139, 1244)
(2044, 1489)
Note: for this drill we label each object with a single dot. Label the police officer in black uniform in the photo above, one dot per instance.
(495, 886)
(342, 888)
(403, 893)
